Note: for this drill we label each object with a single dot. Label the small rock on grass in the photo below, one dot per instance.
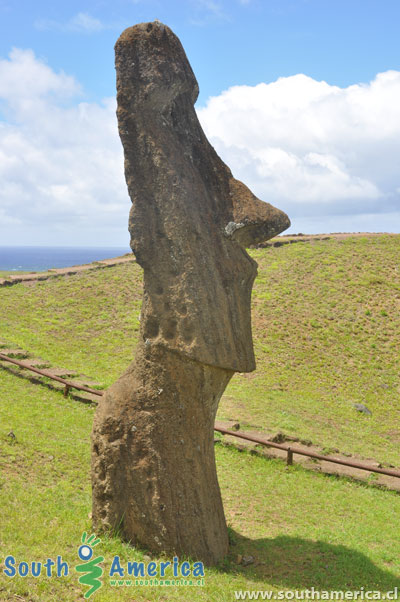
(246, 560)
(362, 408)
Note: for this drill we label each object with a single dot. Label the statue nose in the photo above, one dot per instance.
(252, 232)
(254, 221)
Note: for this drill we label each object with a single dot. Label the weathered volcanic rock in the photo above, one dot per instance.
(189, 223)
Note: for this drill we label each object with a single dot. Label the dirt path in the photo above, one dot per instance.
(57, 272)
(293, 238)
(323, 466)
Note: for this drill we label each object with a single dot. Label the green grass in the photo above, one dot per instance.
(326, 322)
(304, 529)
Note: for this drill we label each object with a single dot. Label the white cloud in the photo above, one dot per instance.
(312, 148)
(206, 10)
(24, 80)
(212, 6)
(61, 162)
(86, 23)
(79, 23)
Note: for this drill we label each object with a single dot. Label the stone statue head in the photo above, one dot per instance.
(190, 219)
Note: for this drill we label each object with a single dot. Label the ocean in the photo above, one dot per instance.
(39, 259)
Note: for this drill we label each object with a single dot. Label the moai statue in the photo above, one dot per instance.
(153, 466)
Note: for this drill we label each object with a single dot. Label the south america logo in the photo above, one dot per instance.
(91, 569)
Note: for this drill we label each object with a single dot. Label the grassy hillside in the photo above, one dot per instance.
(326, 325)
(326, 322)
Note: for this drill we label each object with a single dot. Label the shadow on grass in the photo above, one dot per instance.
(299, 564)
(74, 394)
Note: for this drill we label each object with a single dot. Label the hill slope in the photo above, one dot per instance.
(326, 325)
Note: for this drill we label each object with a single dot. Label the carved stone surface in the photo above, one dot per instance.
(153, 468)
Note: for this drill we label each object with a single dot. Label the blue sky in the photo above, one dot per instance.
(290, 97)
